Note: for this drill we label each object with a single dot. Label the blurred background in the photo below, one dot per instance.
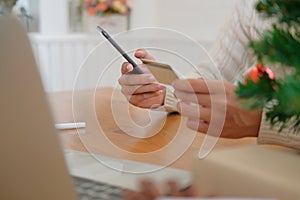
(62, 32)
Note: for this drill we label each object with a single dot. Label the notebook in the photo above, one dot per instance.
(32, 162)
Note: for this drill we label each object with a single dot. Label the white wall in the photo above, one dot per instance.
(59, 53)
(144, 13)
(53, 16)
(200, 19)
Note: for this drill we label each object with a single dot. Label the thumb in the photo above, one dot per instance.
(126, 67)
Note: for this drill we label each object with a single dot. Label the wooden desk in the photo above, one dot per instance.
(108, 129)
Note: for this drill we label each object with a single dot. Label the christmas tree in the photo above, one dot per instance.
(277, 47)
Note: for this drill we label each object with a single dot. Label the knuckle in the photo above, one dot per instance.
(125, 79)
(123, 91)
(145, 95)
(120, 81)
(129, 98)
(134, 89)
(132, 100)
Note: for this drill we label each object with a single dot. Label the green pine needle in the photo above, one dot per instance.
(279, 45)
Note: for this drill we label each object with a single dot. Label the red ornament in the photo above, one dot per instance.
(258, 71)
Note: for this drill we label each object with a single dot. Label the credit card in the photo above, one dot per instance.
(161, 71)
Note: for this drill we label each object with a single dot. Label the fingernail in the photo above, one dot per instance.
(151, 78)
(138, 53)
(128, 67)
(160, 86)
(173, 83)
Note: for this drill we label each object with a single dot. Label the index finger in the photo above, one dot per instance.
(198, 86)
(143, 54)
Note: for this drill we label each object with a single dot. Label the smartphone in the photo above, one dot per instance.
(136, 68)
(162, 72)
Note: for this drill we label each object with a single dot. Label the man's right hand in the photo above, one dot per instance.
(141, 90)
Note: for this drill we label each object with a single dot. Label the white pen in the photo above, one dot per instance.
(63, 126)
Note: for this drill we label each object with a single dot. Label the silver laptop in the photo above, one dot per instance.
(32, 163)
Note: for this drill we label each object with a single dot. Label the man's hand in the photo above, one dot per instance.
(199, 98)
(141, 90)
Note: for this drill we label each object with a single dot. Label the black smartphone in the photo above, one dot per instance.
(136, 68)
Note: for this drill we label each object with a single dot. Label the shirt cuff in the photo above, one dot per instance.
(269, 135)
(170, 102)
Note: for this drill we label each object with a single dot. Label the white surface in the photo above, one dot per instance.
(86, 165)
(62, 126)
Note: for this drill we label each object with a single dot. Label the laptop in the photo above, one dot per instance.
(32, 162)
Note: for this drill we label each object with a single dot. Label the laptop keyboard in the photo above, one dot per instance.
(92, 190)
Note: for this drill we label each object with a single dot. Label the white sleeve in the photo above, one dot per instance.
(286, 138)
(230, 52)
(231, 55)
